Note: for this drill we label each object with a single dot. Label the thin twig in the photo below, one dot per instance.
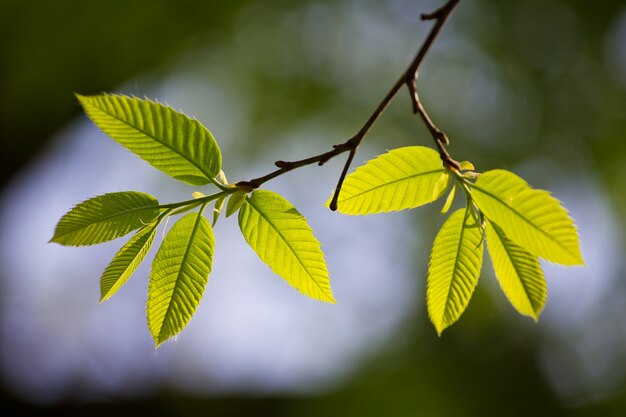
(408, 78)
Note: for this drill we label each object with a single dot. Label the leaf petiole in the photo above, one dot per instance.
(197, 201)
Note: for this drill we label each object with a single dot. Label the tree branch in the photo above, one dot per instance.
(408, 78)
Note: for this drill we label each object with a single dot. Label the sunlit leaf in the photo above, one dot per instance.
(531, 218)
(126, 261)
(518, 272)
(170, 141)
(283, 240)
(401, 179)
(449, 200)
(466, 166)
(217, 208)
(235, 201)
(105, 217)
(455, 263)
(179, 274)
(222, 177)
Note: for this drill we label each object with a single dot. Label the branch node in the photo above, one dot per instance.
(251, 185)
(411, 84)
(442, 137)
(353, 143)
(408, 78)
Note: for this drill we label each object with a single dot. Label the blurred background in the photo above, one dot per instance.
(534, 86)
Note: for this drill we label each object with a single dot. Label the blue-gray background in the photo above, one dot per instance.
(536, 87)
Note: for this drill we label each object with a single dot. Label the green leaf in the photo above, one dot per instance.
(449, 200)
(235, 201)
(401, 179)
(455, 263)
(170, 141)
(519, 273)
(179, 274)
(222, 177)
(126, 261)
(217, 208)
(466, 166)
(105, 217)
(283, 240)
(531, 218)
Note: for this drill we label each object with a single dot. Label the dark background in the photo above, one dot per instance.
(556, 113)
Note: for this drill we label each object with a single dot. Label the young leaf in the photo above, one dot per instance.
(235, 201)
(283, 240)
(531, 218)
(466, 166)
(105, 217)
(179, 274)
(449, 200)
(401, 179)
(170, 141)
(518, 272)
(126, 261)
(217, 208)
(455, 263)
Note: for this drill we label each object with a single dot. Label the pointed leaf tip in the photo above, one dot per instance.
(105, 218)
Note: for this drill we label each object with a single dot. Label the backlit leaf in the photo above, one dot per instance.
(105, 217)
(235, 201)
(449, 200)
(401, 179)
(455, 263)
(283, 240)
(518, 272)
(531, 218)
(466, 166)
(217, 208)
(126, 261)
(180, 272)
(170, 141)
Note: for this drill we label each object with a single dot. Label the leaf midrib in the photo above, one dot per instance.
(391, 182)
(182, 265)
(482, 190)
(502, 237)
(290, 248)
(114, 116)
(456, 263)
(108, 217)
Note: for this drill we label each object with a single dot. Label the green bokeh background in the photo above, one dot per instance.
(562, 113)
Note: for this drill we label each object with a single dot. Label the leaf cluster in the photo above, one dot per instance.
(520, 224)
(184, 149)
